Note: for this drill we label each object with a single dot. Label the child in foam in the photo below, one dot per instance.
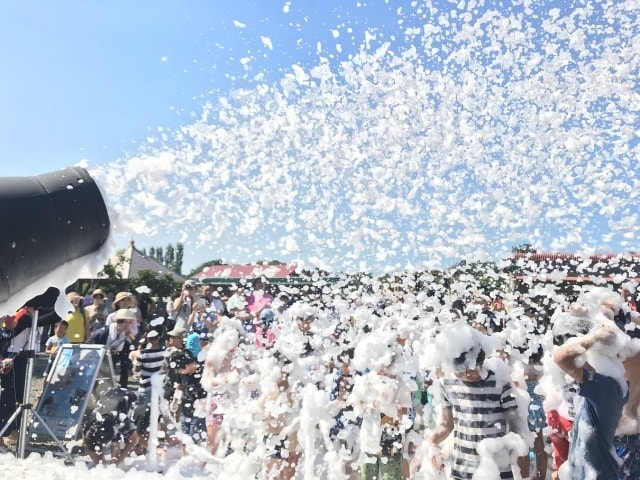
(478, 405)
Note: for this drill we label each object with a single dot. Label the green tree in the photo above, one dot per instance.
(160, 285)
(152, 252)
(177, 266)
(110, 270)
(486, 275)
(524, 248)
(159, 255)
(170, 258)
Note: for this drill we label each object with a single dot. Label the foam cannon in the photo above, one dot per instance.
(47, 221)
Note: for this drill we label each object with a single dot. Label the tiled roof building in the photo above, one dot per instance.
(564, 268)
(134, 261)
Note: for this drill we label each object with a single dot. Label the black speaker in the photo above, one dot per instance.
(46, 221)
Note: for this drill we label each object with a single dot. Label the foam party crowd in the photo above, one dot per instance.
(419, 379)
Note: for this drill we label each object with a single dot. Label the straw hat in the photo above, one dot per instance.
(119, 297)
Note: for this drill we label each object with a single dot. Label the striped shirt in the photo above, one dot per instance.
(479, 412)
(150, 361)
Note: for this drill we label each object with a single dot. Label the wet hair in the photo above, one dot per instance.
(561, 339)
(459, 362)
(99, 432)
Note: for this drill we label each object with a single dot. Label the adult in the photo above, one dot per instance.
(118, 342)
(577, 333)
(237, 301)
(183, 305)
(97, 311)
(14, 376)
(78, 320)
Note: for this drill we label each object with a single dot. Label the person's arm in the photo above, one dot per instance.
(132, 441)
(49, 346)
(566, 355)
(87, 323)
(440, 433)
(192, 317)
(116, 339)
(444, 427)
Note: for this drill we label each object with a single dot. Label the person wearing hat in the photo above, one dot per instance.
(175, 349)
(182, 385)
(149, 360)
(97, 311)
(118, 342)
(121, 300)
(183, 304)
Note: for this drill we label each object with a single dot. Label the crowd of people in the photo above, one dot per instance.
(371, 382)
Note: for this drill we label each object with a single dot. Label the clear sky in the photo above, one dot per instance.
(345, 134)
(90, 80)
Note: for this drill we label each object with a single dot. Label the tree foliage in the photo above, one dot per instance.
(524, 248)
(110, 270)
(160, 285)
(177, 266)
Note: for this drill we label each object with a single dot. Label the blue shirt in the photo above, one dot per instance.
(193, 344)
(591, 446)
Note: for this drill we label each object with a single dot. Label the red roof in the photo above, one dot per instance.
(247, 271)
(537, 257)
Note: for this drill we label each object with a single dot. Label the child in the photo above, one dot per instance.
(54, 342)
(107, 424)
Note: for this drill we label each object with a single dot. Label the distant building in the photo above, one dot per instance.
(228, 275)
(566, 270)
(132, 261)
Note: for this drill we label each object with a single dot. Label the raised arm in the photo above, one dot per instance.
(566, 355)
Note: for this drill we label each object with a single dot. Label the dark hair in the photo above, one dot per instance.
(61, 322)
(583, 327)
(460, 360)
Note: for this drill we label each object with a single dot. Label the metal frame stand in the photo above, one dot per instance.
(26, 406)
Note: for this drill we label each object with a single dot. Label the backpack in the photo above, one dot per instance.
(99, 336)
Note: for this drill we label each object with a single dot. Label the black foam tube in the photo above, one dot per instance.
(46, 221)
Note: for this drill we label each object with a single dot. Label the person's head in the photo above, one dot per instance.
(60, 328)
(461, 350)
(75, 299)
(207, 290)
(568, 325)
(189, 287)
(97, 296)
(177, 336)
(122, 300)
(181, 362)
(468, 365)
(152, 336)
(124, 318)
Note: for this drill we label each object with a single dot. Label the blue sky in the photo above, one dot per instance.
(91, 79)
(349, 135)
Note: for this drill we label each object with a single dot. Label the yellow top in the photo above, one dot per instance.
(76, 332)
